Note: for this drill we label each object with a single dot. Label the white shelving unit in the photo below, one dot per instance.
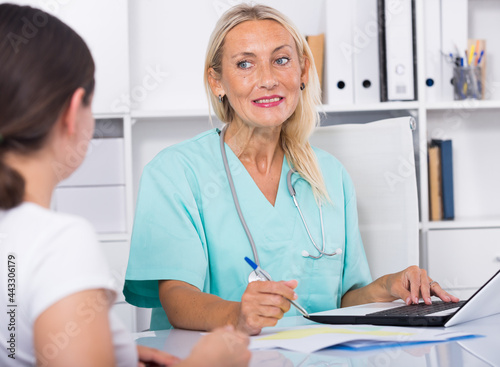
(463, 253)
(150, 55)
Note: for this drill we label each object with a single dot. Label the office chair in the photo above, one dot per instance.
(379, 156)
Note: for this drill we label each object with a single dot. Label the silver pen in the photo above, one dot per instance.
(264, 275)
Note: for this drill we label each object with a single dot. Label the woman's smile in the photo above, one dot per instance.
(267, 102)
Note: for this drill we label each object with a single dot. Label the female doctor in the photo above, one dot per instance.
(207, 203)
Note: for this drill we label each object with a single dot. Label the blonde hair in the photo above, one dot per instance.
(295, 132)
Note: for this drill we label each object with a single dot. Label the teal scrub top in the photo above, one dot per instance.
(186, 228)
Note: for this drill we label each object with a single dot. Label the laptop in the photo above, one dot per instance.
(485, 302)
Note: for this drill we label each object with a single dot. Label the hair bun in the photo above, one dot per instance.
(11, 187)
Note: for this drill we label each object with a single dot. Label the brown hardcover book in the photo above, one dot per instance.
(317, 46)
(435, 195)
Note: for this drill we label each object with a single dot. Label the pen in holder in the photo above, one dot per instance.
(467, 82)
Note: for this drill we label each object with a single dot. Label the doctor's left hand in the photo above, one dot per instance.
(264, 303)
(413, 283)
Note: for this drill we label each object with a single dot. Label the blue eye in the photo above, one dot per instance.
(244, 64)
(282, 61)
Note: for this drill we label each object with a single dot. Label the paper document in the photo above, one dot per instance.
(312, 338)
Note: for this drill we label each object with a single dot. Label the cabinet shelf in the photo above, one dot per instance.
(384, 106)
(167, 114)
(462, 223)
(101, 115)
(203, 112)
(464, 105)
(113, 237)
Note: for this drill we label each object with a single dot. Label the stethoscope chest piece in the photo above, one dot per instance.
(254, 276)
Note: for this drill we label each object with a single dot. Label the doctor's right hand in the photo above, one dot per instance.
(264, 303)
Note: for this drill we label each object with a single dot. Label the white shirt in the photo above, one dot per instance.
(45, 257)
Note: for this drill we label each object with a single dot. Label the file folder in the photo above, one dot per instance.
(433, 56)
(454, 33)
(365, 57)
(397, 68)
(339, 53)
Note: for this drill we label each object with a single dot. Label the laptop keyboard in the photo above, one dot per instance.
(420, 309)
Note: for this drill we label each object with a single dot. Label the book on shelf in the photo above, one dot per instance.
(317, 45)
(446, 162)
(435, 196)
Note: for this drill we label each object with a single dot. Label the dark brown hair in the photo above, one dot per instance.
(42, 63)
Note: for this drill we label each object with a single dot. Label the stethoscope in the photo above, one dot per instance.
(253, 276)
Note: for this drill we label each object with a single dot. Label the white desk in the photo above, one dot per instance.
(468, 352)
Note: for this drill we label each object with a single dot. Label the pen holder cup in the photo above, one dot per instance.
(467, 82)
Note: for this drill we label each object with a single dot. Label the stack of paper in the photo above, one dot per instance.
(309, 339)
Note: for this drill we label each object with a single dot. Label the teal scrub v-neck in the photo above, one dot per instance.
(186, 228)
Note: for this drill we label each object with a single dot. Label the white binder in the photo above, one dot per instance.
(399, 50)
(339, 50)
(365, 57)
(433, 56)
(454, 33)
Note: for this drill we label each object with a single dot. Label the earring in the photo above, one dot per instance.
(302, 86)
(220, 98)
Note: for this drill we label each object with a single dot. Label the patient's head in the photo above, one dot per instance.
(43, 63)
